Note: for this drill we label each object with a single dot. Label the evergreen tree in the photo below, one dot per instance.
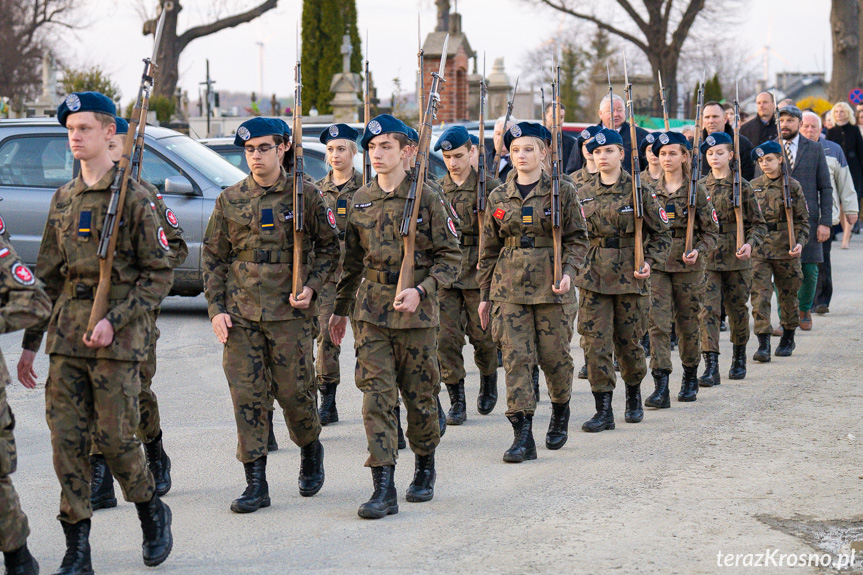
(713, 89)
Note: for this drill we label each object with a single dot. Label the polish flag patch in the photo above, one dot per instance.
(499, 213)
(23, 275)
(4, 252)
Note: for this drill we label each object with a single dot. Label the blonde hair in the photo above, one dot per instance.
(352, 148)
(848, 112)
(540, 148)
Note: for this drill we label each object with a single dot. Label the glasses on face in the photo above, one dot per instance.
(250, 150)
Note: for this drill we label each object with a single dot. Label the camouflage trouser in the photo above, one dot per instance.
(14, 528)
(612, 323)
(787, 275)
(327, 361)
(527, 334)
(284, 350)
(390, 361)
(102, 393)
(675, 297)
(732, 287)
(459, 314)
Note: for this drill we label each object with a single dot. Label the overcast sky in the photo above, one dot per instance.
(502, 28)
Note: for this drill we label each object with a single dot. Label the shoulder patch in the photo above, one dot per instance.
(715, 219)
(331, 218)
(23, 275)
(4, 252)
(163, 239)
(663, 216)
(2, 226)
(499, 213)
(172, 218)
(451, 226)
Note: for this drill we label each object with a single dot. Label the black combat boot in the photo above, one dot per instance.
(384, 500)
(101, 484)
(499, 358)
(76, 561)
(422, 487)
(20, 562)
(457, 404)
(257, 493)
(634, 412)
(311, 468)
(645, 344)
(763, 353)
(711, 370)
(523, 446)
(660, 397)
(272, 444)
(558, 426)
(604, 417)
(328, 413)
(441, 416)
(155, 519)
(159, 464)
(786, 343)
(401, 434)
(487, 398)
(738, 363)
(535, 377)
(689, 384)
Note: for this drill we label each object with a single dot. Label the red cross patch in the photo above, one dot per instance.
(331, 218)
(663, 216)
(499, 213)
(172, 218)
(2, 226)
(23, 275)
(163, 239)
(715, 219)
(451, 225)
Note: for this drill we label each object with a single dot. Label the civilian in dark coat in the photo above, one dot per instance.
(846, 134)
(713, 120)
(762, 127)
(621, 125)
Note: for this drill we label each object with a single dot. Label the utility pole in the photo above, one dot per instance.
(210, 96)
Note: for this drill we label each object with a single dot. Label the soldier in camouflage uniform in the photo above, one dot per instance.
(461, 298)
(150, 427)
(614, 298)
(773, 262)
(22, 304)
(729, 271)
(676, 282)
(650, 163)
(531, 318)
(96, 376)
(338, 188)
(395, 333)
(248, 271)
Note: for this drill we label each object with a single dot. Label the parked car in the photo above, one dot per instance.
(35, 160)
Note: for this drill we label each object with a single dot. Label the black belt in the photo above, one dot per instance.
(470, 240)
(265, 256)
(88, 292)
(392, 278)
(777, 226)
(678, 233)
(614, 242)
(528, 242)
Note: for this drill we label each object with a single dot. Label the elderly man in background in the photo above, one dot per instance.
(844, 203)
(763, 126)
(500, 172)
(617, 116)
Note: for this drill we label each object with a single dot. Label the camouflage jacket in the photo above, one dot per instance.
(770, 197)
(524, 275)
(68, 264)
(720, 192)
(23, 303)
(373, 245)
(169, 222)
(463, 200)
(248, 250)
(704, 233)
(610, 217)
(339, 200)
(581, 178)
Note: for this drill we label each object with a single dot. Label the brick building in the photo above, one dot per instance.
(454, 105)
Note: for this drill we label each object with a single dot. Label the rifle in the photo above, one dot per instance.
(495, 162)
(610, 97)
(108, 241)
(786, 184)
(555, 173)
(480, 165)
(408, 227)
(696, 172)
(735, 186)
(367, 112)
(420, 71)
(664, 105)
(297, 272)
(637, 206)
(542, 93)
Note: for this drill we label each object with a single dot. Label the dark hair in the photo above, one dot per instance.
(711, 103)
(288, 160)
(402, 139)
(550, 104)
(727, 107)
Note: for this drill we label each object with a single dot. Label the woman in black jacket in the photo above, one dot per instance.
(846, 134)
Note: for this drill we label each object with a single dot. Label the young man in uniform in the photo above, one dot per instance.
(95, 377)
(22, 304)
(248, 271)
(395, 333)
(460, 188)
(338, 189)
(150, 425)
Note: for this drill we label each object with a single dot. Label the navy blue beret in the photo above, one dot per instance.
(383, 124)
(286, 129)
(413, 134)
(604, 137)
(589, 132)
(715, 139)
(259, 127)
(122, 125)
(474, 139)
(452, 138)
(524, 130)
(85, 102)
(647, 141)
(768, 147)
(339, 132)
(668, 138)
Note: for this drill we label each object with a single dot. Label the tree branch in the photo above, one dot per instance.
(686, 22)
(636, 17)
(229, 22)
(560, 7)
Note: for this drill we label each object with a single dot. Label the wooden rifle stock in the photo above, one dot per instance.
(297, 271)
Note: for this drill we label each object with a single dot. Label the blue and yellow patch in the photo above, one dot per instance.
(669, 211)
(267, 218)
(84, 220)
(342, 207)
(526, 215)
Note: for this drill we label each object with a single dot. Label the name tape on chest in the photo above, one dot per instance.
(362, 206)
(627, 209)
(23, 275)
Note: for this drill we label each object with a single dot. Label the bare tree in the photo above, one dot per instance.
(844, 27)
(173, 43)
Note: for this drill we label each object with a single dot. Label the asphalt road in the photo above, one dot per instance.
(768, 464)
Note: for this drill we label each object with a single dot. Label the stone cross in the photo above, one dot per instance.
(347, 50)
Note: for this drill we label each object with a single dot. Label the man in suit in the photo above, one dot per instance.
(713, 119)
(763, 126)
(809, 167)
(567, 141)
(500, 172)
(618, 114)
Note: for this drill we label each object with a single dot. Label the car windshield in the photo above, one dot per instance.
(213, 166)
